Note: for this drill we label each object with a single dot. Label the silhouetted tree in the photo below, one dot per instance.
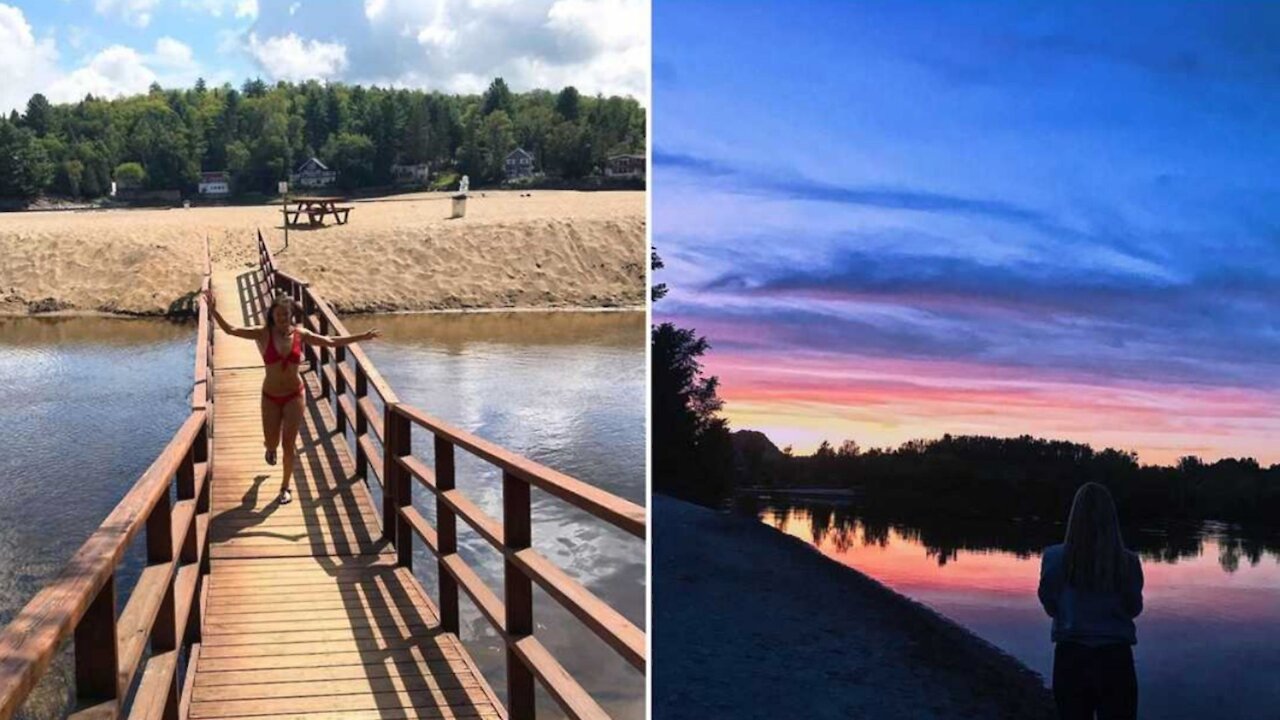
(659, 290)
(692, 449)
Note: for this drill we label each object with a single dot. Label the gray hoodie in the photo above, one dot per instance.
(1085, 616)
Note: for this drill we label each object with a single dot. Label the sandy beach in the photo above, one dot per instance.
(554, 249)
(751, 623)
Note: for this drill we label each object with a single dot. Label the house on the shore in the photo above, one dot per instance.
(410, 174)
(629, 166)
(519, 164)
(215, 184)
(313, 174)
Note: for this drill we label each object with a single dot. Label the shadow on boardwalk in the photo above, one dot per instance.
(749, 623)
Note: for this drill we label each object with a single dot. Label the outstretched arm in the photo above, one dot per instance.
(333, 341)
(249, 333)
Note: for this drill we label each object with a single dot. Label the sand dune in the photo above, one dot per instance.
(554, 249)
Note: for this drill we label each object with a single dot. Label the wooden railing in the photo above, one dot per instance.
(166, 605)
(346, 377)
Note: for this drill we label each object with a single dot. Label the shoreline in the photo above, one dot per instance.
(57, 314)
(847, 647)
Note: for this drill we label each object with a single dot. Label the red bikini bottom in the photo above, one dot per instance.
(282, 400)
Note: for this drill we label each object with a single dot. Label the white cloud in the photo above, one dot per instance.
(173, 53)
(120, 70)
(76, 35)
(217, 8)
(26, 64)
(289, 57)
(460, 45)
(117, 70)
(174, 63)
(134, 12)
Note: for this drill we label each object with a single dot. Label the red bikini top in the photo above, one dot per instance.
(271, 355)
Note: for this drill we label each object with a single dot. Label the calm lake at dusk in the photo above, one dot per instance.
(1208, 638)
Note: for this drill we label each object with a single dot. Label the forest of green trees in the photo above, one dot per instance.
(261, 132)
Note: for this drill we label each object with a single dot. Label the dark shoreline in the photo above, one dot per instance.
(836, 643)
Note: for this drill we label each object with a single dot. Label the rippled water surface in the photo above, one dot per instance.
(1208, 638)
(88, 403)
(565, 389)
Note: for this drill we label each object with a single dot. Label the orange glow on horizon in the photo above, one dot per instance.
(883, 403)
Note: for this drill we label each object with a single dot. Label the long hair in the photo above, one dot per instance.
(279, 300)
(1096, 558)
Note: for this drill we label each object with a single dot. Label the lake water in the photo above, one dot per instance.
(568, 391)
(90, 402)
(1208, 638)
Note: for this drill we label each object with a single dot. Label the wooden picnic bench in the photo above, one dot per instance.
(316, 208)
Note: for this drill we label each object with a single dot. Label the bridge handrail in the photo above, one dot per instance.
(347, 389)
(164, 609)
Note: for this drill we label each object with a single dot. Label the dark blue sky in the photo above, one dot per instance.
(1080, 196)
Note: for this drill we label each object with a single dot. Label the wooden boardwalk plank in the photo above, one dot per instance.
(307, 614)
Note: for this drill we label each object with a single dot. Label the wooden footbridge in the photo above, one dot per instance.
(247, 608)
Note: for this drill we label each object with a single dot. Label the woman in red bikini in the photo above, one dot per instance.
(280, 342)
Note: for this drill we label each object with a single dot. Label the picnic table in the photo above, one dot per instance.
(316, 208)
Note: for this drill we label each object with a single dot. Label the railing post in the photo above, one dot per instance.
(396, 492)
(187, 491)
(362, 423)
(97, 653)
(164, 633)
(339, 359)
(446, 534)
(517, 535)
(324, 359)
(200, 453)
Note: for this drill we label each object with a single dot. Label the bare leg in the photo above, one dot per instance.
(291, 420)
(271, 415)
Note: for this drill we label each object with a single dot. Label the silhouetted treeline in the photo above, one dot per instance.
(260, 133)
(990, 477)
(692, 449)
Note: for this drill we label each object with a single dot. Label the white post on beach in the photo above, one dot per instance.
(460, 200)
(284, 206)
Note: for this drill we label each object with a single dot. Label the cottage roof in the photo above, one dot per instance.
(312, 163)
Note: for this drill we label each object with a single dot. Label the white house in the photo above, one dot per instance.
(519, 164)
(313, 174)
(624, 166)
(215, 184)
(410, 174)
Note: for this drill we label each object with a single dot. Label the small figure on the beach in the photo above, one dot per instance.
(280, 341)
(1091, 586)
(465, 184)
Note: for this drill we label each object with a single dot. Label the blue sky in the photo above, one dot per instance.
(934, 208)
(65, 48)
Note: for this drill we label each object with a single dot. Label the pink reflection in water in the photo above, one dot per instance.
(1208, 640)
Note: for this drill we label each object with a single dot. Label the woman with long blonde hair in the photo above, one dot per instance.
(280, 341)
(1091, 586)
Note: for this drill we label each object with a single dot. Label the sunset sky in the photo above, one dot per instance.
(897, 220)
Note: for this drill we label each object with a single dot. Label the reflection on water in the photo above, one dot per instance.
(1208, 639)
(88, 403)
(566, 389)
